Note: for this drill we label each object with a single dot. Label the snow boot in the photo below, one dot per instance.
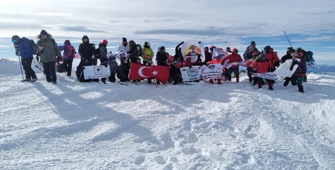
(301, 88)
(286, 82)
(211, 81)
(219, 81)
(260, 85)
(237, 79)
(270, 86)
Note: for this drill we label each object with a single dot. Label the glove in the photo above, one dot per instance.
(199, 42)
(291, 68)
(182, 42)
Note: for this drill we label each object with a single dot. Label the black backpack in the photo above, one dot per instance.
(33, 46)
(138, 50)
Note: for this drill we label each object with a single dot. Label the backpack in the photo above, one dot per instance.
(309, 56)
(70, 51)
(33, 46)
(138, 50)
(97, 53)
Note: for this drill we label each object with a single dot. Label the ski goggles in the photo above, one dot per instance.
(14, 41)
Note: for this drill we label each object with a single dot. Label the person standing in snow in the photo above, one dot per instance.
(24, 49)
(287, 56)
(68, 55)
(252, 43)
(262, 65)
(101, 54)
(124, 46)
(300, 73)
(147, 53)
(48, 51)
(232, 58)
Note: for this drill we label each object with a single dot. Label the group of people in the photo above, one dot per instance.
(49, 54)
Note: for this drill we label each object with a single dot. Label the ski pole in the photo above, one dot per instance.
(288, 39)
(20, 66)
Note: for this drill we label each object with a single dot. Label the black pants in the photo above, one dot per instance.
(26, 63)
(232, 70)
(68, 66)
(50, 71)
(112, 77)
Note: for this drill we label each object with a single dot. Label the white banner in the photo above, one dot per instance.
(284, 69)
(213, 71)
(281, 72)
(94, 72)
(191, 73)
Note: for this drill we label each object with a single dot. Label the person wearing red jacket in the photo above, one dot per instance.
(232, 58)
(262, 65)
(272, 57)
(217, 60)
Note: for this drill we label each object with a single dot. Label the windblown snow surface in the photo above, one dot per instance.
(74, 125)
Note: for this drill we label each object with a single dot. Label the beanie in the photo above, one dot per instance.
(105, 42)
(124, 39)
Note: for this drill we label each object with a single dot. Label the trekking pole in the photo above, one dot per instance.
(288, 39)
(20, 66)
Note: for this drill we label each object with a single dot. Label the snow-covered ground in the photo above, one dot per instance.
(74, 125)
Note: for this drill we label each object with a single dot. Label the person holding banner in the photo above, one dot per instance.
(217, 60)
(262, 65)
(287, 56)
(234, 59)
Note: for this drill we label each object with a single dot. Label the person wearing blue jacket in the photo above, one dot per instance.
(24, 49)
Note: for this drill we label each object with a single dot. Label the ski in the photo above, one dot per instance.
(123, 83)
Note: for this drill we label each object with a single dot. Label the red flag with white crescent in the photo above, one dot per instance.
(138, 71)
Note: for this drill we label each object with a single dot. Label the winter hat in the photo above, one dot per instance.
(43, 32)
(67, 42)
(15, 38)
(112, 57)
(235, 50)
(124, 39)
(105, 42)
(299, 49)
(253, 43)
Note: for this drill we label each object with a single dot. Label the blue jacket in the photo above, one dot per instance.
(25, 48)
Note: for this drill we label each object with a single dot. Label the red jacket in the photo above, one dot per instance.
(215, 61)
(272, 57)
(233, 58)
(262, 66)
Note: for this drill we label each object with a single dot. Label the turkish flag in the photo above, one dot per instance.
(138, 71)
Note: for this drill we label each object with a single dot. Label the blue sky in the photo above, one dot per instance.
(308, 24)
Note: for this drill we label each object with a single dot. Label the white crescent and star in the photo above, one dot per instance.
(140, 71)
